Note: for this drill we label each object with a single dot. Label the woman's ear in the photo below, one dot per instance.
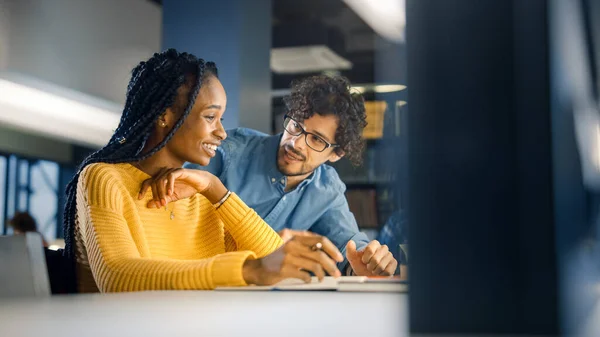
(162, 122)
(167, 119)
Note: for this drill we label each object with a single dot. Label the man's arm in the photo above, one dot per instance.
(339, 225)
(361, 257)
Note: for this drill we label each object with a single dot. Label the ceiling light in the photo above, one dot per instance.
(360, 88)
(45, 108)
(383, 88)
(386, 17)
(306, 59)
(378, 88)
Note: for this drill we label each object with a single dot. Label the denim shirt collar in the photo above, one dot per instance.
(274, 175)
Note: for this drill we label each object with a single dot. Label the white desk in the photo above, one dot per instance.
(209, 313)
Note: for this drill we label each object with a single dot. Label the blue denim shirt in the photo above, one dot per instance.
(393, 234)
(246, 162)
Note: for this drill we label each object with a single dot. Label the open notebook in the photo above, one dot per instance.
(344, 283)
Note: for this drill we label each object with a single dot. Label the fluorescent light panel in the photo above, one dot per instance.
(378, 88)
(361, 88)
(306, 59)
(386, 17)
(59, 116)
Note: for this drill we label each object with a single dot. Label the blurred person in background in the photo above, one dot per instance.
(23, 222)
(136, 220)
(394, 234)
(58, 269)
(285, 179)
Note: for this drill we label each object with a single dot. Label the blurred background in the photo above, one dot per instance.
(495, 169)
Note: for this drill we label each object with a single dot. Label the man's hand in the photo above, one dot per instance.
(374, 260)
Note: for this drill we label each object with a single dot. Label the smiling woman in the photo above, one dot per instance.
(205, 237)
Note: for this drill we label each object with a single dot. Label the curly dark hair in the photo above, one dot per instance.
(331, 95)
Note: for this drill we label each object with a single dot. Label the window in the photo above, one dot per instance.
(34, 186)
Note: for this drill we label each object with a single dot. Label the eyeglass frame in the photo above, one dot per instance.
(306, 133)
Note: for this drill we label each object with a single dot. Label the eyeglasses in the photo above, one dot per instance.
(313, 141)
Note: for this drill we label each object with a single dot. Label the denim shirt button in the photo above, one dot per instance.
(272, 180)
(283, 198)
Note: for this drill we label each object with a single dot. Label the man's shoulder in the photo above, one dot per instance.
(241, 140)
(244, 135)
(328, 177)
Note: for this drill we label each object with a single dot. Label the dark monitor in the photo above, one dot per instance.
(481, 179)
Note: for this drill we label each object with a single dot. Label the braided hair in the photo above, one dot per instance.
(167, 79)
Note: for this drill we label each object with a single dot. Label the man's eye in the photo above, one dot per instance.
(318, 140)
(210, 118)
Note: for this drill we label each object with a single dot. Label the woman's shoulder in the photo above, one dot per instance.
(100, 171)
(103, 183)
(106, 175)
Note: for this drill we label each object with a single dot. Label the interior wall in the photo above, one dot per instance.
(34, 146)
(88, 46)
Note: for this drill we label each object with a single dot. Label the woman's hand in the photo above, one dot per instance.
(172, 184)
(295, 259)
(287, 234)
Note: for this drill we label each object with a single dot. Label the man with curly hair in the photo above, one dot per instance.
(284, 177)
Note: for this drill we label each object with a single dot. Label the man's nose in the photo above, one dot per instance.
(298, 142)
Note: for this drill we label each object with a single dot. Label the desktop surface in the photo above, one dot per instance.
(208, 313)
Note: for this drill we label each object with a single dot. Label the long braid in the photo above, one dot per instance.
(152, 89)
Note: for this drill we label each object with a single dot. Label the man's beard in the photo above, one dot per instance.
(285, 169)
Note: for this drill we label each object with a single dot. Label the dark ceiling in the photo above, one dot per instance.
(348, 35)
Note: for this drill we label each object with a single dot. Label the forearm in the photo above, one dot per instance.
(138, 274)
(215, 191)
(249, 230)
(117, 264)
(339, 225)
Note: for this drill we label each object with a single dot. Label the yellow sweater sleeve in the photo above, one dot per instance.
(115, 260)
(247, 228)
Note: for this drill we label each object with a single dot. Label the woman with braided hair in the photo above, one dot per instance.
(136, 220)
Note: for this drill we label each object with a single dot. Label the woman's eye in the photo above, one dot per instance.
(210, 118)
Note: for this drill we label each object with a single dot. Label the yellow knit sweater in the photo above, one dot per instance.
(121, 245)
